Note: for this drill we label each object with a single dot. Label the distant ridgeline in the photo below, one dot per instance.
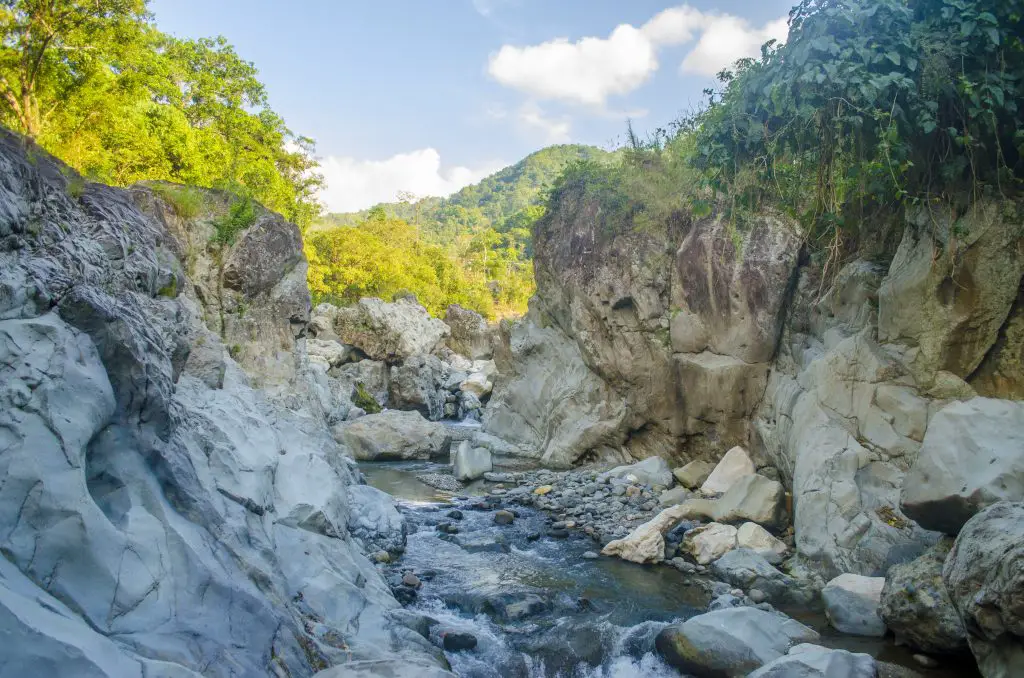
(473, 248)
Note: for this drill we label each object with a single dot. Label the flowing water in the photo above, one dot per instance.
(536, 606)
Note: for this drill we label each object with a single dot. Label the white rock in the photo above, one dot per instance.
(710, 542)
(733, 466)
(478, 384)
(393, 435)
(754, 537)
(470, 463)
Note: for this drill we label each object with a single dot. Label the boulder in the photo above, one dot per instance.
(651, 471)
(470, 335)
(747, 570)
(813, 661)
(374, 520)
(328, 351)
(418, 384)
(754, 537)
(478, 384)
(709, 542)
(390, 332)
(984, 576)
(733, 466)
(972, 456)
(677, 495)
(363, 383)
(646, 543)
(916, 607)
(730, 642)
(470, 463)
(852, 604)
(392, 435)
(753, 498)
(694, 474)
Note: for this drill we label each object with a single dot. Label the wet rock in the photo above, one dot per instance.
(984, 576)
(972, 456)
(916, 607)
(455, 514)
(503, 518)
(852, 604)
(411, 580)
(731, 642)
(404, 595)
(458, 642)
(813, 661)
(392, 668)
(733, 466)
(515, 606)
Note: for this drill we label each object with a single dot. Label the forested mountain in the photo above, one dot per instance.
(473, 248)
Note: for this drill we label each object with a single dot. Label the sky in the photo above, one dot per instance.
(427, 96)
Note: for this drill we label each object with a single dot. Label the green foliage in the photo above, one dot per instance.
(362, 398)
(96, 84)
(241, 215)
(188, 203)
(870, 104)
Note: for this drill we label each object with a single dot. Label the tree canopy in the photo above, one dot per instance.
(96, 84)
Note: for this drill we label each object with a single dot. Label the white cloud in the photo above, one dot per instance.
(587, 71)
(727, 38)
(590, 70)
(352, 184)
(552, 130)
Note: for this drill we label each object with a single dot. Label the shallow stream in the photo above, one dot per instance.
(536, 605)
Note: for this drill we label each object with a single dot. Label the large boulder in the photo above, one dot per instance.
(651, 471)
(646, 543)
(752, 498)
(374, 520)
(470, 335)
(418, 384)
(693, 474)
(470, 463)
(393, 435)
(748, 570)
(971, 457)
(730, 642)
(759, 540)
(984, 576)
(852, 604)
(733, 466)
(813, 661)
(390, 332)
(916, 607)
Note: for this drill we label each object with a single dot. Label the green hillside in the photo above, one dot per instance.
(473, 248)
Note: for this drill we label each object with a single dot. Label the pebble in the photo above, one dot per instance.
(447, 528)
(558, 534)
(411, 580)
(757, 596)
(382, 557)
(590, 555)
(543, 489)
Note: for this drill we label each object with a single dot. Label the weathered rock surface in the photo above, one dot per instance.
(652, 471)
(470, 463)
(389, 331)
(709, 542)
(393, 435)
(984, 576)
(693, 474)
(159, 515)
(916, 607)
(733, 466)
(971, 457)
(418, 383)
(731, 642)
(470, 335)
(852, 604)
(813, 661)
(746, 569)
(374, 520)
(754, 537)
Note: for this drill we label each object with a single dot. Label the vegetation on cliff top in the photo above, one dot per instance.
(870, 106)
(96, 84)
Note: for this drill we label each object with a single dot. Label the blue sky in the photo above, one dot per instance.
(429, 95)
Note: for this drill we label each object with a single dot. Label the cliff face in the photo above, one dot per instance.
(710, 338)
(171, 501)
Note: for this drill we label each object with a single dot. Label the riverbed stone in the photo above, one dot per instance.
(651, 471)
(972, 456)
(852, 604)
(984, 576)
(470, 463)
(754, 498)
(759, 540)
(748, 570)
(730, 642)
(733, 466)
(813, 661)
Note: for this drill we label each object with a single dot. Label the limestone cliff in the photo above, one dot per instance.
(171, 500)
(684, 340)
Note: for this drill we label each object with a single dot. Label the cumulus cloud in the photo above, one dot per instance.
(587, 71)
(727, 38)
(353, 185)
(591, 69)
